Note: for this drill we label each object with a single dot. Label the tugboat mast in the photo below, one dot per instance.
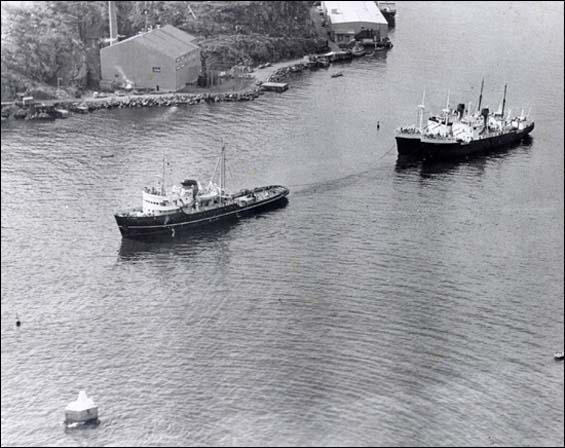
(223, 174)
(163, 178)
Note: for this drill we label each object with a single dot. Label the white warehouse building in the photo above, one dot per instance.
(347, 19)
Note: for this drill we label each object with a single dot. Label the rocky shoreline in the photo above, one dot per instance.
(50, 109)
(164, 100)
(282, 73)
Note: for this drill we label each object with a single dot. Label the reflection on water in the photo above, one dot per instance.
(183, 243)
(478, 162)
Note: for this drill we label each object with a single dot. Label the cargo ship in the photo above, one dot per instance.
(190, 204)
(459, 133)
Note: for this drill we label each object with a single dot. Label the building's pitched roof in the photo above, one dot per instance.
(167, 39)
(346, 12)
(179, 34)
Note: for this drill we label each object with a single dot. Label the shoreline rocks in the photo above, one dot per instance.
(128, 102)
(283, 73)
(164, 100)
(86, 105)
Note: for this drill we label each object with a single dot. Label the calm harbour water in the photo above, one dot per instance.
(385, 305)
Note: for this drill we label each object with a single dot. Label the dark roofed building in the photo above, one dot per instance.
(164, 58)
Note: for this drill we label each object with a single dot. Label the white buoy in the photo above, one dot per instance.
(83, 410)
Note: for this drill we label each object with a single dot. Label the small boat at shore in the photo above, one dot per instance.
(388, 10)
(358, 50)
(190, 204)
(384, 44)
(40, 116)
(337, 75)
(61, 113)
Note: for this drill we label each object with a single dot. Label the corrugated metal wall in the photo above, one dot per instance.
(188, 68)
(148, 68)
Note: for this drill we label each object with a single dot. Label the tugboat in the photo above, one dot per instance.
(457, 133)
(189, 204)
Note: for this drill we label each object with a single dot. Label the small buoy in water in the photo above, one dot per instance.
(18, 322)
(81, 411)
(378, 124)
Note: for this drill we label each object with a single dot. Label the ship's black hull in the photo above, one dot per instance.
(407, 145)
(441, 150)
(155, 226)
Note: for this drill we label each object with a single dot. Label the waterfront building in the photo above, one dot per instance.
(347, 20)
(164, 58)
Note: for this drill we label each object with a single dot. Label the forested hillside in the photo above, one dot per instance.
(53, 42)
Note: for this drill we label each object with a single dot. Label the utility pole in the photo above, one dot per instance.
(113, 23)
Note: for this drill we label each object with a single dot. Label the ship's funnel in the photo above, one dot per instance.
(460, 110)
(484, 113)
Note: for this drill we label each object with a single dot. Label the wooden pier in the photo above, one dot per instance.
(274, 86)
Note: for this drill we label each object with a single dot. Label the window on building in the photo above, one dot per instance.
(156, 69)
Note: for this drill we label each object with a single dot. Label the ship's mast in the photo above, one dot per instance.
(446, 110)
(504, 101)
(481, 95)
(421, 108)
